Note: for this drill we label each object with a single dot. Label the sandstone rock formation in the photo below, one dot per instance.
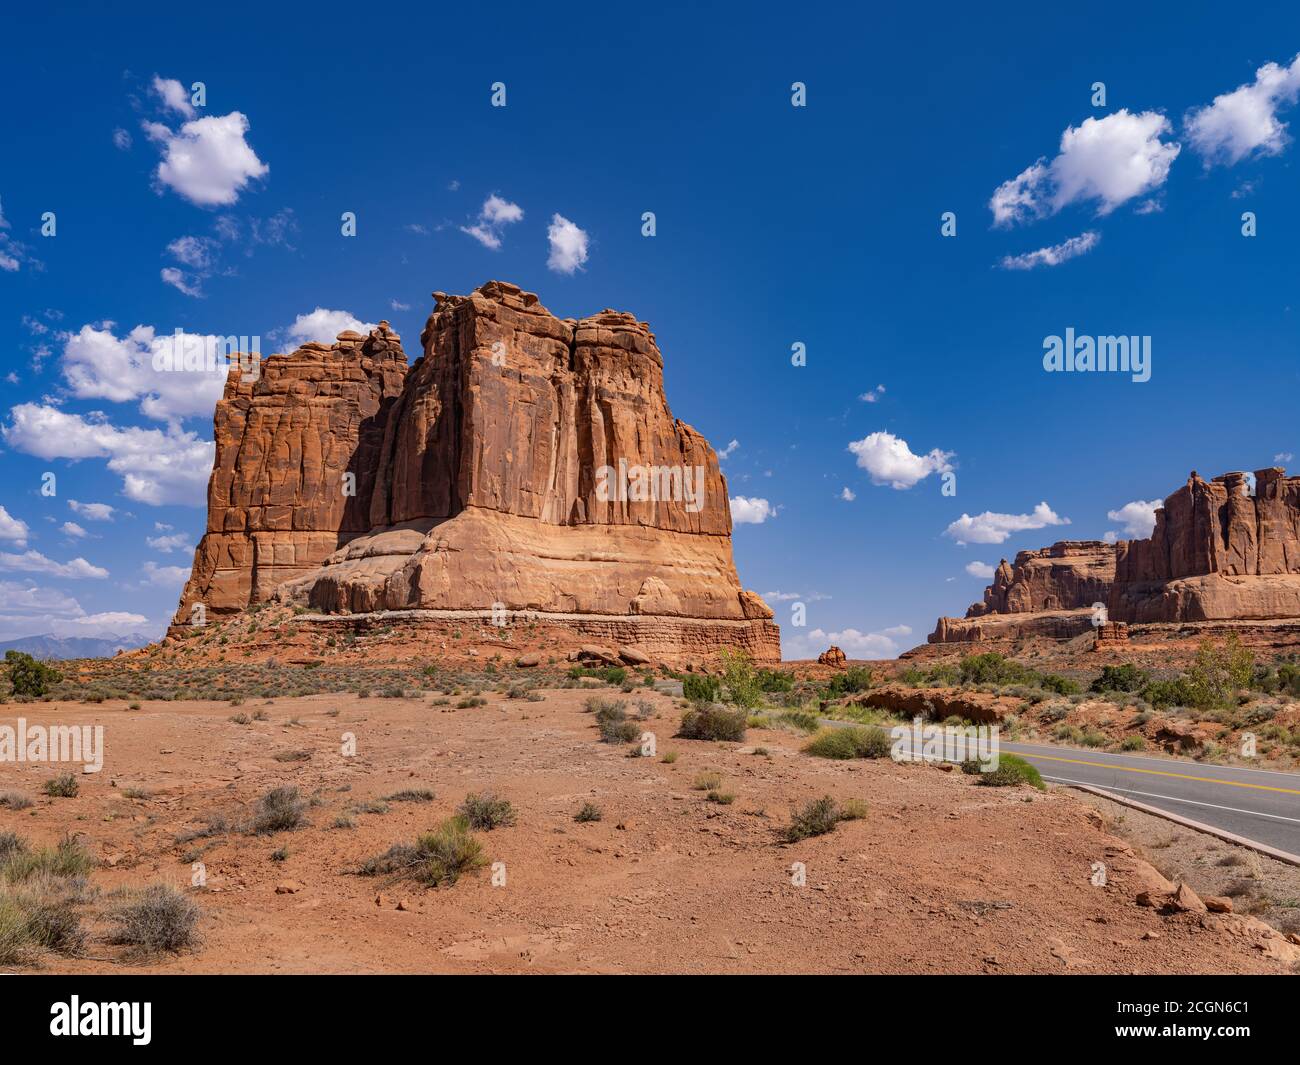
(1218, 553)
(833, 656)
(1049, 592)
(525, 465)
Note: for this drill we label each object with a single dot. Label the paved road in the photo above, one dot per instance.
(1263, 805)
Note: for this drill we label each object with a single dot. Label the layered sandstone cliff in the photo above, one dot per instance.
(1048, 592)
(525, 464)
(1219, 552)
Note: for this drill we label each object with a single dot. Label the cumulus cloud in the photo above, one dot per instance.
(847, 494)
(27, 609)
(568, 245)
(889, 460)
(168, 544)
(15, 530)
(324, 326)
(872, 395)
(99, 365)
(495, 214)
(13, 253)
(855, 643)
(35, 562)
(121, 140)
(208, 161)
(1138, 517)
(1110, 160)
(173, 95)
(92, 511)
(751, 511)
(1053, 254)
(156, 467)
(1244, 122)
(165, 576)
(980, 569)
(72, 529)
(181, 281)
(992, 528)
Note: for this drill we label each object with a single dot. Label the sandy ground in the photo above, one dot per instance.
(941, 876)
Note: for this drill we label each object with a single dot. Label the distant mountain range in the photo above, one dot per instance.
(50, 646)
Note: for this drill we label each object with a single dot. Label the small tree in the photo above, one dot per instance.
(740, 680)
(1219, 673)
(28, 676)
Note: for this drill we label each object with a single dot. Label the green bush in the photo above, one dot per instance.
(993, 668)
(1060, 685)
(774, 680)
(820, 816)
(701, 689)
(854, 679)
(589, 811)
(487, 811)
(1163, 694)
(1219, 673)
(30, 677)
(852, 742)
(1011, 771)
(1125, 678)
(279, 810)
(739, 680)
(1132, 742)
(713, 723)
(64, 786)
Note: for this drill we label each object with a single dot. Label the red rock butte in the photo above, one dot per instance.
(472, 485)
(1219, 554)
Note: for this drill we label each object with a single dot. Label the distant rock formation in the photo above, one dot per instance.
(525, 465)
(1217, 553)
(833, 656)
(1049, 592)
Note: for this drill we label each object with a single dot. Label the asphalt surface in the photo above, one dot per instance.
(1261, 805)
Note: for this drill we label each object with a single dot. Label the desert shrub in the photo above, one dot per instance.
(240, 719)
(722, 798)
(853, 679)
(1219, 672)
(713, 723)
(38, 916)
(67, 858)
(1163, 694)
(1132, 742)
(1011, 771)
(1125, 678)
(1092, 738)
(707, 781)
(613, 675)
(853, 810)
(1054, 682)
(669, 757)
(279, 810)
(1056, 712)
(855, 742)
(819, 817)
(439, 857)
(992, 668)
(774, 680)
(343, 821)
(158, 918)
(701, 689)
(471, 701)
(30, 677)
(739, 680)
(411, 795)
(487, 811)
(589, 811)
(64, 786)
(15, 800)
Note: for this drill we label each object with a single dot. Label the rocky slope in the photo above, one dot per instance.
(525, 465)
(1218, 553)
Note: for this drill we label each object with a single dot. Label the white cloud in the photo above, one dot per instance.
(1245, 121)
(92, 511)
(1283, 456)
(399, 306)
(324, 326)
(178, 279)
(1054, 254)
(992, 528)
(99, 365)
(1111, 160)
(495, 214)
(847, 494)
(568, 245)
(198, 252)
(747, 511)
(156, 467)
(30, 610)
(729, 450)
(208, 161)
(35, 562)
(72, 529)
(165, 576)
(780, 597)
(168, 544)
(980, 569)
(15, 530)
(1138, 517)
(13, 253)
(872, 395)
(121, 140)
(889, 460)
(173, 95)
(853, 642)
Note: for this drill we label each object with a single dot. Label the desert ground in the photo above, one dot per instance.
(940, 874)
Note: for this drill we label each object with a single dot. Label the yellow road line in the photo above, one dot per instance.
(1162, 773)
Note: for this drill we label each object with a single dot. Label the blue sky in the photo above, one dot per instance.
(775, 225)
